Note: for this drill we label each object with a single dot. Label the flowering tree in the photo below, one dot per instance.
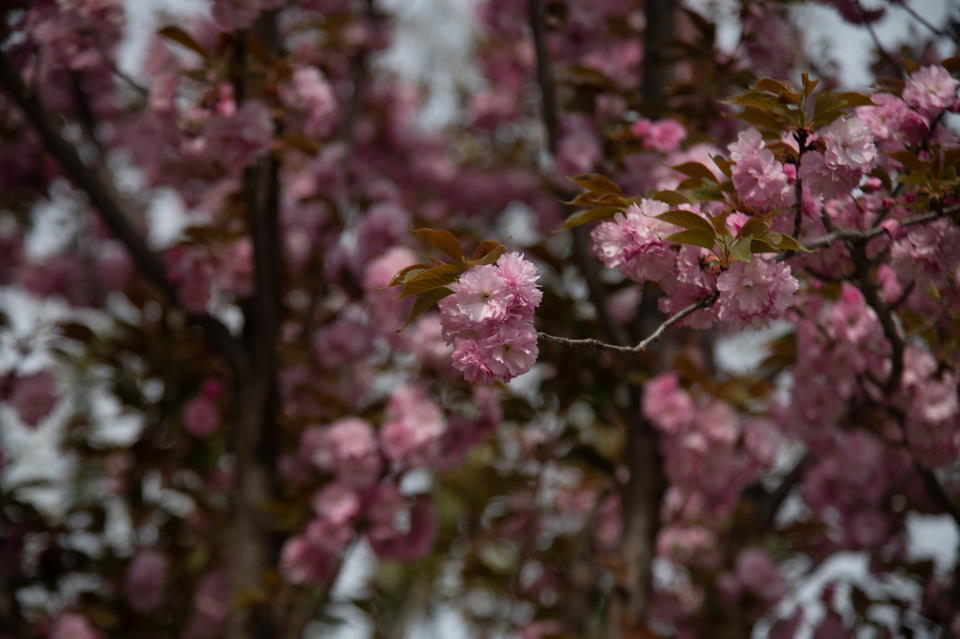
(301, 384)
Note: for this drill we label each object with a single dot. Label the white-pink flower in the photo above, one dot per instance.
(751, 293)
(930, 90)
(349, 450)
(759, 179)
(489, 319)
(633, 242)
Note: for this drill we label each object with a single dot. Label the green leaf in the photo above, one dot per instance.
(431, 278)
(408, 273)
(695, 170)
(785, 242)
(741, 249)
(589, 215)
(755, 228)
(181, 37)
(596, 183)
(697, 237)
(686, 220)
(808, 84)
(674, 198)
(442, 240)
(424, 303)
(907, 158)
(761, 246)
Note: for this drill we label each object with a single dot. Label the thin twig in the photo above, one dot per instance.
(919, 18)
(643, 344)
(867, 234)
(876, 41)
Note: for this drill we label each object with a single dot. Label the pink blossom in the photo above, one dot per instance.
(34, 396)
(468, 359)
(414, 428)
(521, 278)
(489, 319)
(751, 293)
(337, 503)
(666, 404)
(664, 135)
(633, 242)
(201, 417)
(146, 580)
(312, 94)
(399, 529)
(302, 562)
(72, 625)
(849, 143)
(481, 297)
(892, 119)
(930, 90)
(237, 140)
(824, 180)
(758, 177)
(511, 351)
(758, 573)
(350, 451)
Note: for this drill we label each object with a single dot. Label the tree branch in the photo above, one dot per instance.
(643, 344)
(868, 234)
(108, 203)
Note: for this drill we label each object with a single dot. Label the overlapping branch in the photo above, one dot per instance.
(643, 344)
(108, 203)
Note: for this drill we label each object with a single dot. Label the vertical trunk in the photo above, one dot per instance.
(254, 548)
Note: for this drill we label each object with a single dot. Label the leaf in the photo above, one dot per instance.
(440, 239)
(697, 237)
(181, 37)
(890, 85)
(430, 279)
(686, 220)
(762, 119)
(674, 198)
(785, 242)
(589, 215)
(424, 303)
(596, 183)
(776, 87)
(407, 273)
(725, 166)
(761, 246)
(808, 84)
(853, 99)
(753, 227)
(695, 170)
(489, 258)
(485, 247)
(741, 249)
(907, 158)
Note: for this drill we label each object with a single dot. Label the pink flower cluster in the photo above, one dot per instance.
(849, 153)
(664, 135)
(759, 179)
(201, 415)
(632, 242)
(752, 292)
(489, 319)
(931, 90)
(710, 452)
(146, 580)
